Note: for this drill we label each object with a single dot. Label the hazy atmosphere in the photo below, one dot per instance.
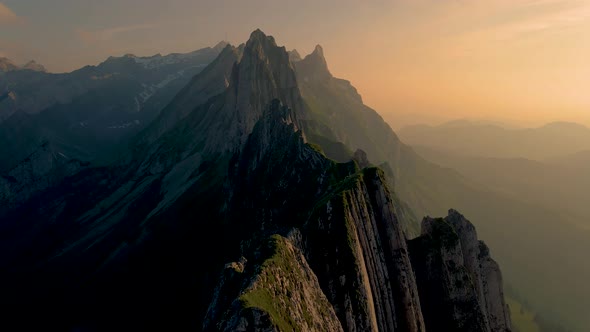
(519, 62)
(334, 165)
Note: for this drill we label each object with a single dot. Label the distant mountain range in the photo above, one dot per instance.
(560, 182)
(34, 90)
(558, 177)
(6, 65)
(579, 161)
(489, 140)
(87, 113)
(544, 168)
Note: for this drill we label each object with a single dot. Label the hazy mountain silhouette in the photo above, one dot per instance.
(555, 187)
(560, 182)
(488, 140)
(579, 161)
(91, 110)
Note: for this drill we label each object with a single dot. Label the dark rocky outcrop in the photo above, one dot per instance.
(460, 285)
(34, 66)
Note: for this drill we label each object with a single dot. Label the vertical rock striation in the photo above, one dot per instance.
(460, 285)
(358, 250)
(347, 227)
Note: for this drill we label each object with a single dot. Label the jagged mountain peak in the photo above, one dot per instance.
(244, 80)
(265, 47)
(318, 51)
(263, 73)
(262, 43)
(212, 81)
(7, 65)
(221, 45)
(294, 56)
(160, 60)
(260, 35)
(33, 65)
(314, 65)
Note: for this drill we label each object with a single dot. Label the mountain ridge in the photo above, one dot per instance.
(489, 140)
(7, 65)
(97, 108)
(219, 181)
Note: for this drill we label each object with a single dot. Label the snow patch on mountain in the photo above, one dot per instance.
(157, 61)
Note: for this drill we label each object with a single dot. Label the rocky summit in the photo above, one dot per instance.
(238, 209)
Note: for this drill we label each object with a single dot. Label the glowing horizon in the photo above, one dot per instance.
(519, 62)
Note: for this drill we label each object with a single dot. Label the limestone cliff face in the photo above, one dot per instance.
(459, 284)
(263, 74)
(358, 250)
(484, 272)
(340, 217)
(221, 106)
(212, 81)
(354, 243)
(493, 291)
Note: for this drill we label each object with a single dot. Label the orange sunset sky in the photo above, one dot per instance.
(521, 62)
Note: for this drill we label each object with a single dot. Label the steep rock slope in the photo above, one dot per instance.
(117, 99)
(212, 81)
(283, 184)
(460, 285)
(166, 197)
